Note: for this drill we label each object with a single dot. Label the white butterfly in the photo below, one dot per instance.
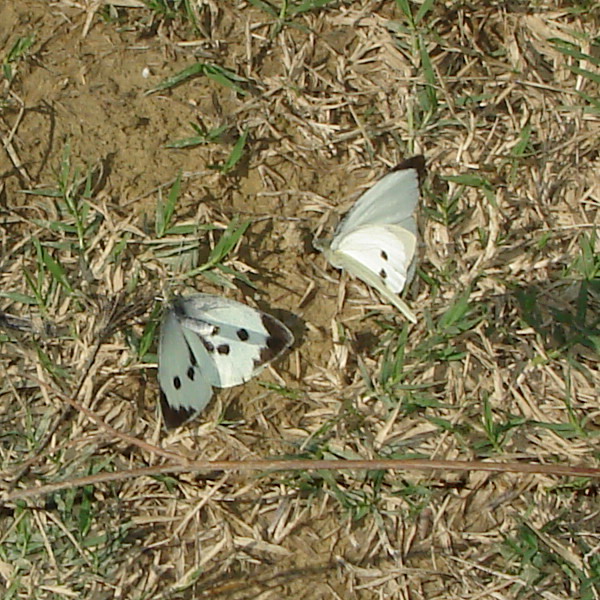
(377, 239)
(209, 341)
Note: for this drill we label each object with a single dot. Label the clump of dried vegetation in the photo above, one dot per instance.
(163, 145)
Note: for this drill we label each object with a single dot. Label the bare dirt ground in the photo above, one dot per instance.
(502, 365)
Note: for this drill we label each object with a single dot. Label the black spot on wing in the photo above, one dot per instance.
(384, 255)
(176, 382)
(242, 334)
(193, 360)
(215, 330)
(173, 417)
(278, 339)
(210, 347)
(383, 274)
(191, 371)
(223, 349)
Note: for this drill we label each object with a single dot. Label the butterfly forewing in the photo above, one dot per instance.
(392, 199)
(184, 387)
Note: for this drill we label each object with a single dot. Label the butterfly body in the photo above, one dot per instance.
(209, 341)
(376, 241)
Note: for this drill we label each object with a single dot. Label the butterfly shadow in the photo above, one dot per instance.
(259, 278)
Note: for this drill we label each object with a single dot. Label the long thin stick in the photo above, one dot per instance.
(420, 464)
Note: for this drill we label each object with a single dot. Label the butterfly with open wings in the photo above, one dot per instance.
(209, 341)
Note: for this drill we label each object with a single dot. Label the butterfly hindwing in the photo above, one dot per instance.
(357, 268)
(227, 343)
(385, 250)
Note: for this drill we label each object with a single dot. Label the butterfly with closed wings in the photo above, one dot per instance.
(209, 341)
(377, 239)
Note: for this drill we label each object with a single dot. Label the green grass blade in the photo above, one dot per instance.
(177, 79)
(424, 10)
(202, 137)
(306, 6)
(57, 270)
(165, 210)
(429, 100)
(406, 10)
(228, 241)
(266, 7)
(574, 51)
(595, 77)
(236, 154)
(226, 78)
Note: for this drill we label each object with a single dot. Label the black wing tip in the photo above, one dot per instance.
(279, 340)
(414, 162)
(173, 417)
